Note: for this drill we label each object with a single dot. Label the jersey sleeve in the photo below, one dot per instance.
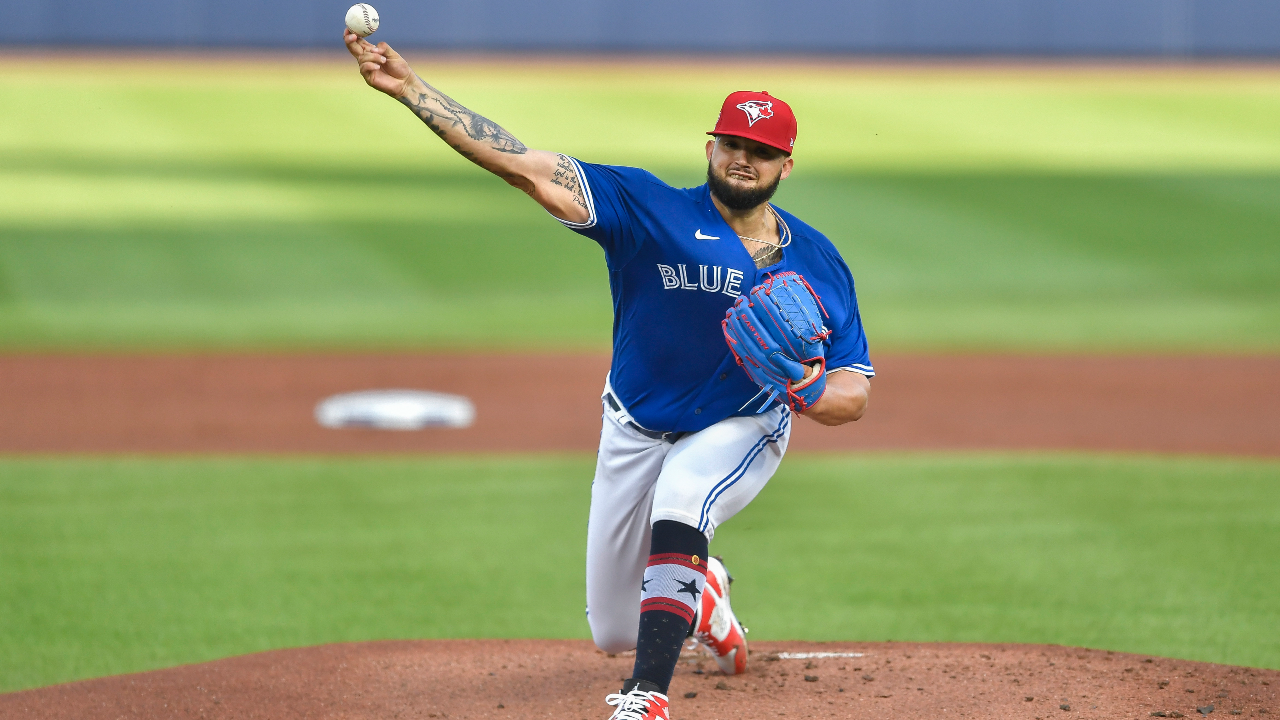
(848, 351)
(611, 199)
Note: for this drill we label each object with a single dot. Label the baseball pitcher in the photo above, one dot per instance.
(731, 316)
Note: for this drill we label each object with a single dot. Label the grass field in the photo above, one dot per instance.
(114, 565)
(167, 204)
(188, 204)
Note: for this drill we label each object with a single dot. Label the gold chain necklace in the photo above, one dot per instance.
(786, 233)
(769, 247)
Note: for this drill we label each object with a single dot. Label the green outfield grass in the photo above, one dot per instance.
(185, 204)
(116, 565)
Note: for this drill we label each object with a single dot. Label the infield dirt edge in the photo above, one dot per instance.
(495, 679)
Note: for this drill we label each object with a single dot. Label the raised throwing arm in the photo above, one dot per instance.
(549, 178)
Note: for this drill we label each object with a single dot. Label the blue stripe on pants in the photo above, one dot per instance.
(738, 472)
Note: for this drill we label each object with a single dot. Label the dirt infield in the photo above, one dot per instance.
(567, 679)
(264, 404)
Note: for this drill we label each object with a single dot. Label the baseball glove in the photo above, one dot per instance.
(775, 331)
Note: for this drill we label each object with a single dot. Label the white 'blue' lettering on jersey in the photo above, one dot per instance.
(675, 267)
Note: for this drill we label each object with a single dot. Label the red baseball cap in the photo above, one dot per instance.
(758, 116)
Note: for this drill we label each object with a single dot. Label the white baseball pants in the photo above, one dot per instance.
(702, 480)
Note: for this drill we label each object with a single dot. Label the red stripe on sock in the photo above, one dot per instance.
(678, 559)
(668, 605)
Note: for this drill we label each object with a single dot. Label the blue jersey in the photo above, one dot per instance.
(675, 267)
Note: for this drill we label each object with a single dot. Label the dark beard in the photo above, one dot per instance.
(736, 199)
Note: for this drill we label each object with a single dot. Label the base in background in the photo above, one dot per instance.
(395, 410)
(265, 404)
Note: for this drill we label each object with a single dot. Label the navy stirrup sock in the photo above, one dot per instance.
(673, 584)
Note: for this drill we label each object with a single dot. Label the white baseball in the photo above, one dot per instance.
(362, 19)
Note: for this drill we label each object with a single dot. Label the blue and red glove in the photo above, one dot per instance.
(775, 331)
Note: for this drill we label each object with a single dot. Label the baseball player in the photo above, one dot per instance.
(730, 316)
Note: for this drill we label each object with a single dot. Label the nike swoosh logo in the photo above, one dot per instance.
(697, 234)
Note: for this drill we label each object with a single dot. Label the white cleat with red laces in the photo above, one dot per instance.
(715, 625)
(639, 701)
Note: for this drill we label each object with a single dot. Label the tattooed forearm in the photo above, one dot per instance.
(441, 113)
(567, 177)
(551, 180)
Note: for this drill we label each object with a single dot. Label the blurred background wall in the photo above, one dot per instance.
(1024, 27)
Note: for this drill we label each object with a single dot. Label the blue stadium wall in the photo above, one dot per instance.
(1176, 28)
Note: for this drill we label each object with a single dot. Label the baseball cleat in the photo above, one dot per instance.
(715, 625)
(639, 700)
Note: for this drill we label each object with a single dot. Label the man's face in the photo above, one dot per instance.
(744, 173)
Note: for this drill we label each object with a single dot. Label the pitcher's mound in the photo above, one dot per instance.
(568, 680)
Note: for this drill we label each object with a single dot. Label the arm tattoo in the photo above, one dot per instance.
(566, 176)
(441, 113)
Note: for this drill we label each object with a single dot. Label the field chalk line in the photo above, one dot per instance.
(818, 655)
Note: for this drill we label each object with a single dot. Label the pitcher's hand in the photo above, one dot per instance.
(383, 68)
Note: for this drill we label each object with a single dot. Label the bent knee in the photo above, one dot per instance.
(614, 639)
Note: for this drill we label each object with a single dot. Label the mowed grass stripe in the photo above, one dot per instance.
(1013, 262)
(117, 565)
(203, 205)
(851, 117)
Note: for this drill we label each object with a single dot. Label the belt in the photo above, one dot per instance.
(669, 436)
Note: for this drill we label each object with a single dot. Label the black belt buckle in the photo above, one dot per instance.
(669, 436)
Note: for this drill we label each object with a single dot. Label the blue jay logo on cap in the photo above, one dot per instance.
(756, 110)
